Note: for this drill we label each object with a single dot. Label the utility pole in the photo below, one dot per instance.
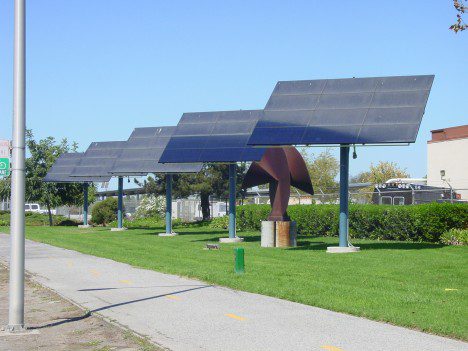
(16, 302)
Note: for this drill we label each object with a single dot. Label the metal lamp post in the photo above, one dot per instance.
(16, 297)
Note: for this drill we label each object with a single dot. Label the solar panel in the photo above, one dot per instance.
(344, 111)
(98, 159)
(63, 167)
(141, 153)
(213, 137)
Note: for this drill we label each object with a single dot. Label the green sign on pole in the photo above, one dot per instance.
(4, 167)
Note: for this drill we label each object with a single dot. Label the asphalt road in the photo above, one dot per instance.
(185, 314)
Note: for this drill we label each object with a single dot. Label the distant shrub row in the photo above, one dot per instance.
(37, 219)
(408, 223)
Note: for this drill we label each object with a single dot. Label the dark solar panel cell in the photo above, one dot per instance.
(350, 85)
(194, 129)
(277, 119)
(222, 139)
(278, 136)
(390, 115)
(187, 142)
(330, 135)
(233, 128)
(340, 111)
(405, 83)
(198, 118)
(398, 133)
(334, 117)
(347, 100)
(400, 98)
(300, 87)
(61, 170)
(294, 102)
(140, 154)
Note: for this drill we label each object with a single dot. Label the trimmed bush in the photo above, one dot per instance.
(407, 223)
(105, 211)
(220, 222)
(455, 237)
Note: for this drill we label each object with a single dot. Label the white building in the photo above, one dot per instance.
(447, 159)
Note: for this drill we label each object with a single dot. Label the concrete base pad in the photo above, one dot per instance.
(339, 249)
(84, 226)
(168, 234)
(17, 331)
(118, 229)
(231, 240)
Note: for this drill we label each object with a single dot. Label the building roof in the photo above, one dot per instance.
(451, 133)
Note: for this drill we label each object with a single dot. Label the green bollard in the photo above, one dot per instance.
(239, 266)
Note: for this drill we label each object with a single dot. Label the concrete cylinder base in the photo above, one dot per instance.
(167, 234)
(339, 249)
(118, 229)
(268, 234)
(84, 226)
(231, 240)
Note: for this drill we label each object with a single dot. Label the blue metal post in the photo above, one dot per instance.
(120, 203)
(344, 186)
(168, 203)
(232, 200)
(85, 203)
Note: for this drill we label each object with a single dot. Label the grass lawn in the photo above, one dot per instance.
(417, 285)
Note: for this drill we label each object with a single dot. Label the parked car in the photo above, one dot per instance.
(36, 208)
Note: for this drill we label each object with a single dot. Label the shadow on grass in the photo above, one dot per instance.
(316, 245)
(247, 238)
(89, 313)
(179, 232)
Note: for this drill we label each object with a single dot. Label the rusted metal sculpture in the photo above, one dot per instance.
(280, 168)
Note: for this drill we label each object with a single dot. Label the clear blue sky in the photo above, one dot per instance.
(97, 69)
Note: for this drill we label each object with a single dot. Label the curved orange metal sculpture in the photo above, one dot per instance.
(280, 168)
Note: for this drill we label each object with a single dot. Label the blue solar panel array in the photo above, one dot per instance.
(99, 159)
(61, 170)
(213, 137)
(344, 111)
(141, 153)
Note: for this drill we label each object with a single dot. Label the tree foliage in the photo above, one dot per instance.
(212, 180)
(461, 7)
(323, 169)
(42, 155)
(381, 172)
(105, 211)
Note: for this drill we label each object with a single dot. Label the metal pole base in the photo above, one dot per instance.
(118, 229)
(231, 240)
(341, 249)
(17, 330)
(167, 234)
(84, 226)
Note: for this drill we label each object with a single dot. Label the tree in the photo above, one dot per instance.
(213, 179)
(461, 7)
(380, 173)
(323, 169)
(43, 154)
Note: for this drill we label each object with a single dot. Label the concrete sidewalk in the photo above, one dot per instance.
(185, 314)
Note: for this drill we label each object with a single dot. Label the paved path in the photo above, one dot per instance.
(185, 314)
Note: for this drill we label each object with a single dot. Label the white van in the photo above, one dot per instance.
(36, 208)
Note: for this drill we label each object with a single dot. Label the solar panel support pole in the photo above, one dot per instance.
(168, 203)
(16, 293)
(344, 245)
(233, 238)
(120, 204)
(344, 195)
(85, 204)
(232, 200)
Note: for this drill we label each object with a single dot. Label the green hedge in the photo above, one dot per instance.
(37, 219)
(408, 223)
